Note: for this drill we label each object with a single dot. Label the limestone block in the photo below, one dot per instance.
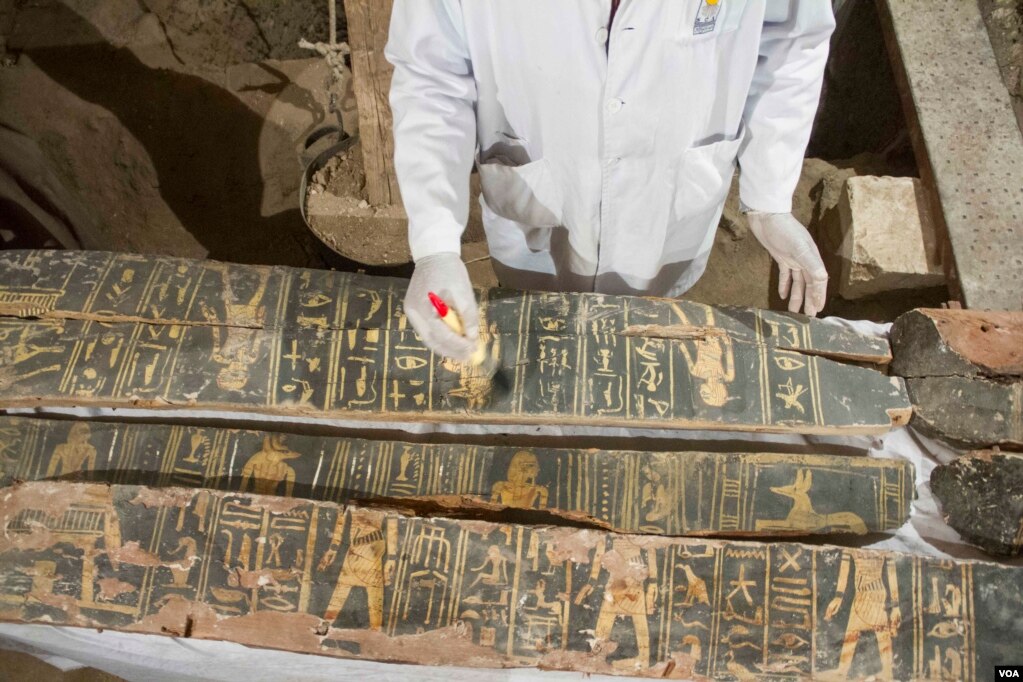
(885, 237)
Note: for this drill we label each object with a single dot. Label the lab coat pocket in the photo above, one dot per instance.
(705, 19)
(703, 177)
(527, 194)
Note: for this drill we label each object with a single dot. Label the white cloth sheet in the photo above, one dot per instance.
(146, 657)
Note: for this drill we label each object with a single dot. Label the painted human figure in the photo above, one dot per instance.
(475, 383)
(236, 343)
(630, 591)
(368, 564)
(521, 489)
(869, 611)
(267, 469)
(712, 363)
(656, 502)
(77, 454)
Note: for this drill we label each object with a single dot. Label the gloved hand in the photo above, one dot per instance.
(802, 277)
(445, 275)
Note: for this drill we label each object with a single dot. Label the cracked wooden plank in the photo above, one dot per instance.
(667, 493)
(281, 341)
(368, 22)
(929, 342)
(318, 578)
(981, 495)
(110, 287)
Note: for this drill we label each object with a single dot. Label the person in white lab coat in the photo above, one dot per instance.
(606, 134)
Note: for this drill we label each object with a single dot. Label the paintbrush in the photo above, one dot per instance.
(483, 358)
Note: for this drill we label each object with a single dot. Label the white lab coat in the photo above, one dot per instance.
(601, 170)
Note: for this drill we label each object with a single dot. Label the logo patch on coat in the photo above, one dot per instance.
(707, 17)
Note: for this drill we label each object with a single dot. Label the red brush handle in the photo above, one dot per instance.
(438, 304)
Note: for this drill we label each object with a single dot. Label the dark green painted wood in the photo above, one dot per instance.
(343, 581)
(673, 493)
(121, 331)
(969, 412)
(981, 495)
(112, 287)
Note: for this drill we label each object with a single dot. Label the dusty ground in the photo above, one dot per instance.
(179, 125)
(1004, 19)
(173, 120)
(340, 214)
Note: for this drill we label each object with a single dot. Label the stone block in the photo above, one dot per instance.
(884, 237)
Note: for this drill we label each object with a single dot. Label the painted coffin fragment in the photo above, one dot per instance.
(159, 332)
(672, 493)
(964, 374)
(319, 578)
(981, 495)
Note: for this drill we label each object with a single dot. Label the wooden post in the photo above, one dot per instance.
(368, 22)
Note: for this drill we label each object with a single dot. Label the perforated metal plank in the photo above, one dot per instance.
(967, 143)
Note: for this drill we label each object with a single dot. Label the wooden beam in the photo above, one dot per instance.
(368, 25)
(125, 331)
(319, 578)
(668, 493)
(967, 142)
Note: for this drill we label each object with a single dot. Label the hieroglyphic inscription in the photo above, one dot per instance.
(670, 493)
(176, 290)
(162, 332)
(316, 577)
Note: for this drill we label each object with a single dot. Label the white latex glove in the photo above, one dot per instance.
(802, 277)
(445, 275)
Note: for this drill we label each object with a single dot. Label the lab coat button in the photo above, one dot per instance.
(614, 105)
(602, 36)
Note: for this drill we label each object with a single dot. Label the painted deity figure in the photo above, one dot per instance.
(368, 564)
(654, 496)
(77, 454)
(630, 591)
(521, 489)
(871, 609)
(711, 363)
(268, 468)
(236, 340)
(475, 383)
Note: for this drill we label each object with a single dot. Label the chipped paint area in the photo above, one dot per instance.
(321, 578)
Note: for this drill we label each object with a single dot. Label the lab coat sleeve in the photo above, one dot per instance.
(433, 98)
(782, 101)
